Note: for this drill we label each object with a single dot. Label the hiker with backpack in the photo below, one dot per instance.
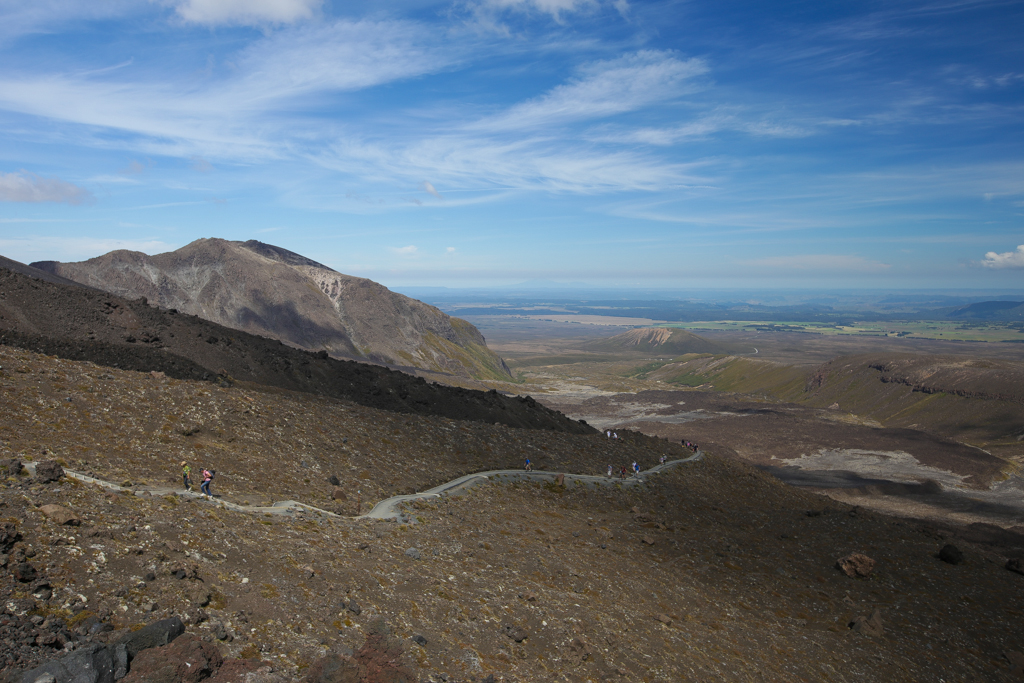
(186, 475)
(207, 478)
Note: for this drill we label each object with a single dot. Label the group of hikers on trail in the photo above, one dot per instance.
(623, 472)
(692, 446)
(208, 474)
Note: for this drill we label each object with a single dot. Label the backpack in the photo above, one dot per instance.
(213, 473)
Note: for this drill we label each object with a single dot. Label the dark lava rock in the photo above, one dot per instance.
(334, 481)
(149, 577)
(515, 633)
(1015, 565)
(419, 640)
(49, 470)
(10, 467)
(90, 664)
(156, 634)
(951, 554)
(354, 608)
(8, 535)
(24, 572)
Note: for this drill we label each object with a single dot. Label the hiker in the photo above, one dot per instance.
(207, 478)
(636, 469)
(622, 472)
(529, 465)
(186, 473)
(609, 471)
(661, 461)
(608, 433)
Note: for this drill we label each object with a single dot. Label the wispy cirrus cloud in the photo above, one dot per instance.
(29, 187)
(243, 115)
(246, 12)
(605, 88)
(1008, 259)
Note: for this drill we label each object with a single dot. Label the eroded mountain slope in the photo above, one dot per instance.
(272, 292)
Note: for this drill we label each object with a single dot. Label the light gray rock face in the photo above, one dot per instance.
(272, 292)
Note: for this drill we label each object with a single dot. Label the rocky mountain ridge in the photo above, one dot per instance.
(269, 291)
(87, 324)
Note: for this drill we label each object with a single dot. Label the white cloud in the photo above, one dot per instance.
(429, 189)
(28, 187)
(488, 11)
(200, 164)
(821, 262)
(450, 250)
(604, 89)
(242, 116)
(1009, 259)
(246, 12)
(405, 251)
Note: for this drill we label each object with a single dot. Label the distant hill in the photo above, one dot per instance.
(273, 292)
(659, 340)
(988, 310)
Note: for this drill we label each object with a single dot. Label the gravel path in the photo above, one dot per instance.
(388, 508)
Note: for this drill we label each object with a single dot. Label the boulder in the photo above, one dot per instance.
(413, 553)
(514, 632)
(379, 660)
(1015, 565)
(185, 660)
(10, 467)
(8, 535)
(334, 481)
(90, 664)
(868, 626)
(156, 634)
(951, 554)
(855, 564)
(338, 494)
(333, 668)
(48, 470)
(60, 515)
(24, 572)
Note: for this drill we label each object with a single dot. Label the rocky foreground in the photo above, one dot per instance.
(710, 571)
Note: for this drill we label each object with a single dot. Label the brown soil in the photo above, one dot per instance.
(711, 571)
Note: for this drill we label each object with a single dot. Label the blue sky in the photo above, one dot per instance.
(484, 142)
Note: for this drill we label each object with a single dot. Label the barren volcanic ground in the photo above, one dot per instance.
(710, 571)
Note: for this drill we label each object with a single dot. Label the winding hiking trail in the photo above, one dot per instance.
(389, 507)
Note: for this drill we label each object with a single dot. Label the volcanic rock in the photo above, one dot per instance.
(48, 470)
(60, 515)
(855, 565)
(951, 554)
(868, 626)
